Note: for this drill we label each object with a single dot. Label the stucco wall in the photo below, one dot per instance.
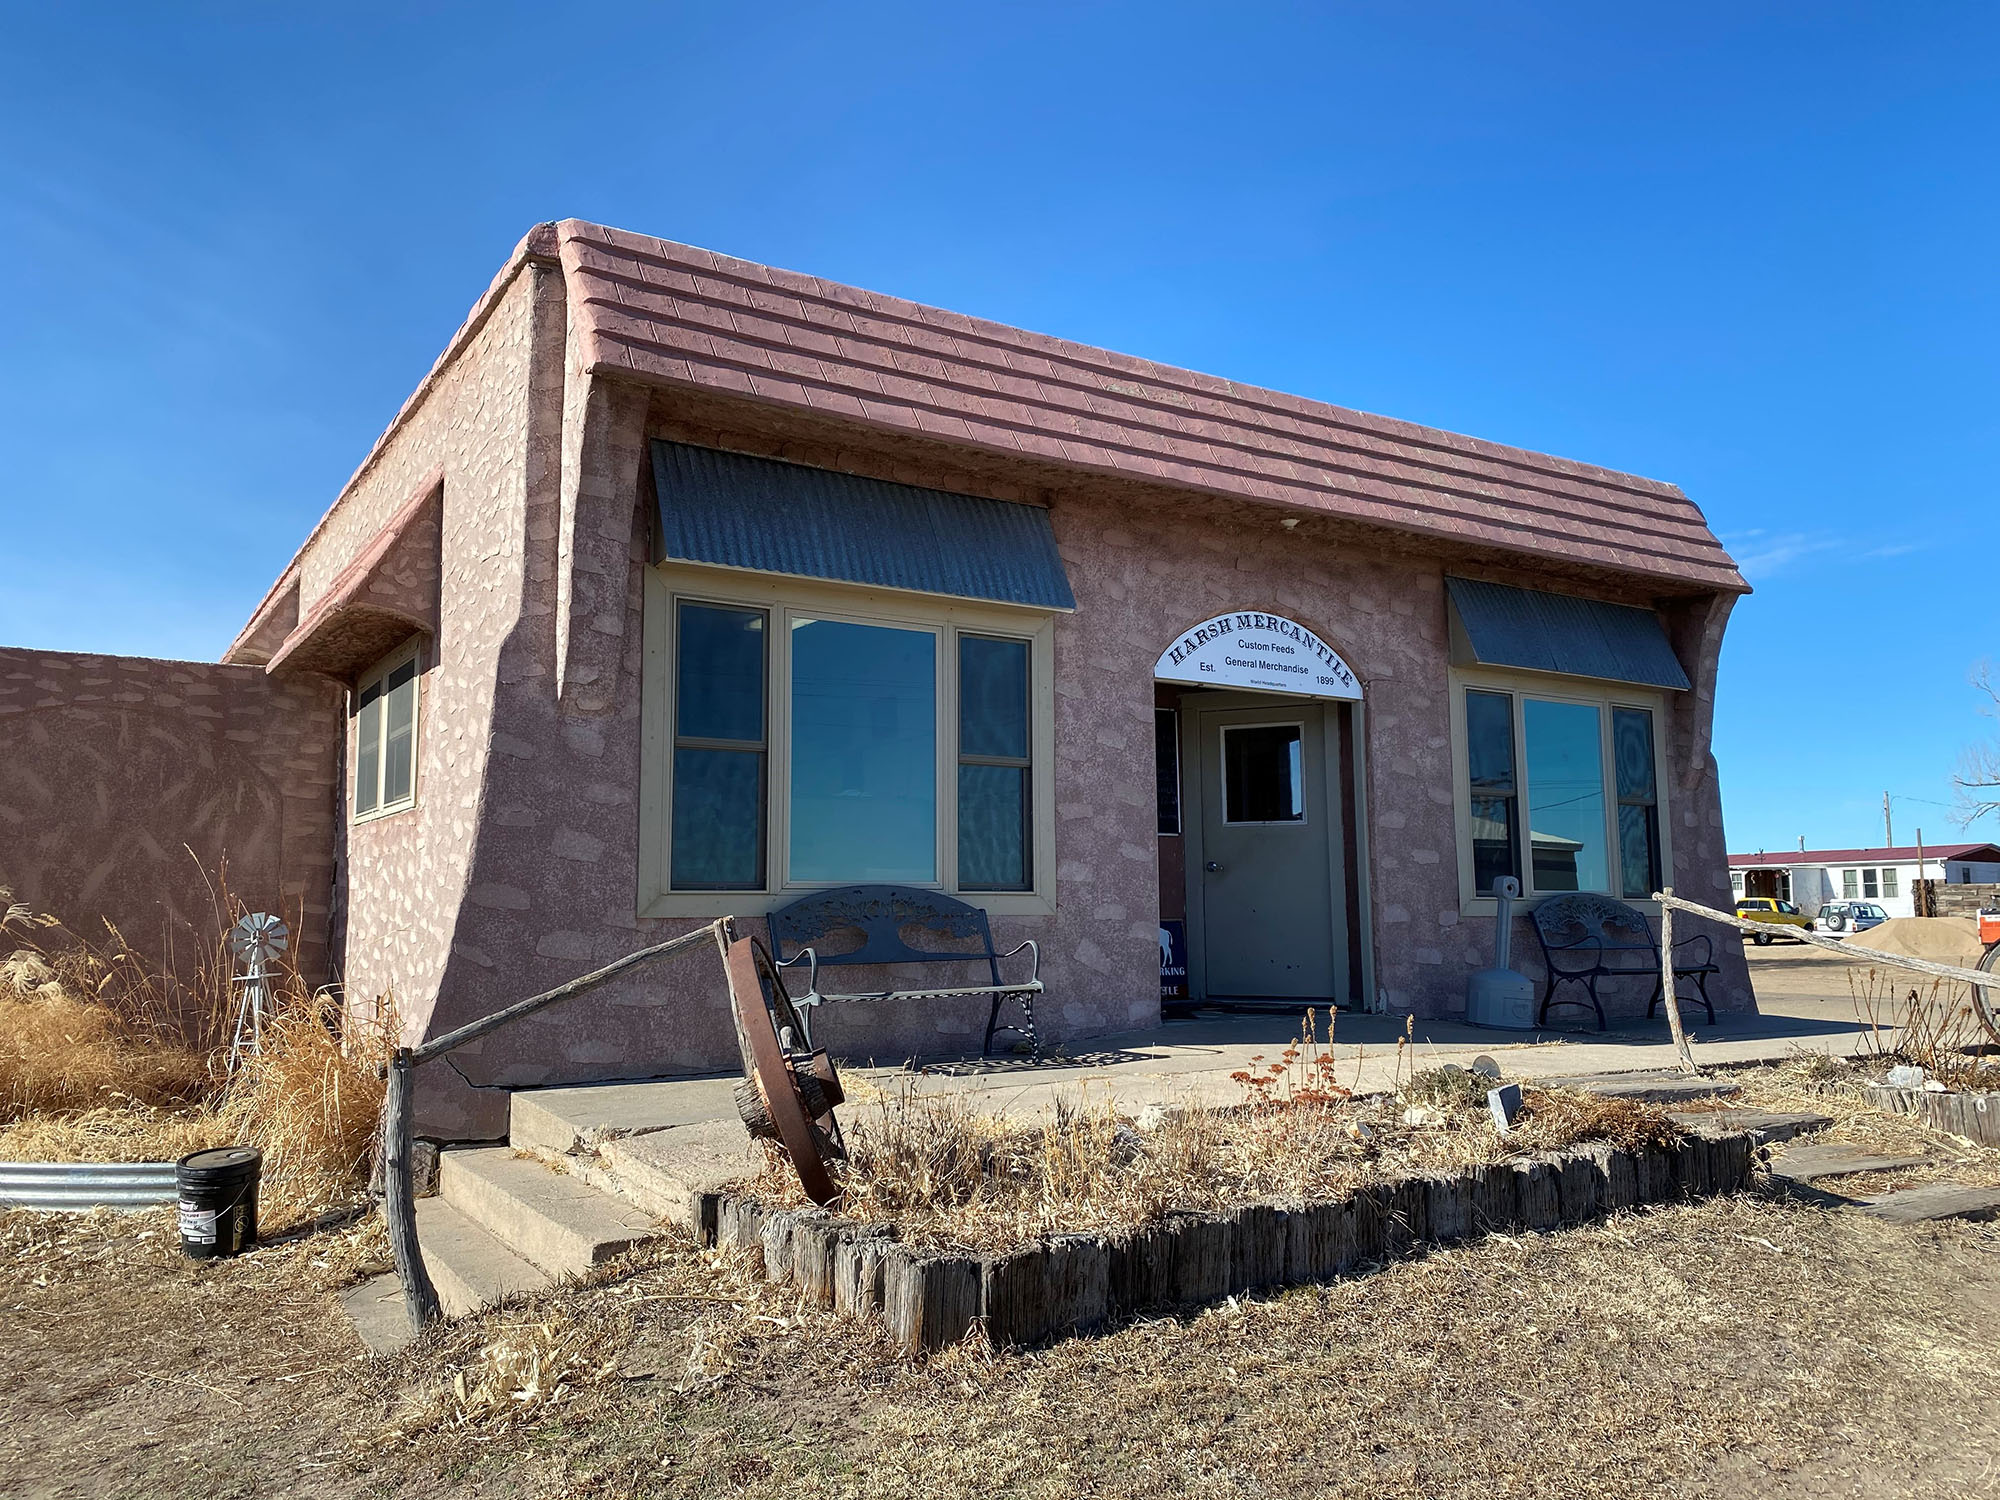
(486, 431)
(128, 785)
(551, 882)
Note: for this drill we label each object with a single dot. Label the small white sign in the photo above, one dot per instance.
(1247, 649)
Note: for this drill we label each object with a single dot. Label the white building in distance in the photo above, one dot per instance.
(1808, 877)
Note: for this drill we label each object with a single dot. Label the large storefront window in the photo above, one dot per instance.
(1568, 781)
(864, 754)
(815, 738)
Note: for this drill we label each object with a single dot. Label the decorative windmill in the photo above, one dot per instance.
(255, 942)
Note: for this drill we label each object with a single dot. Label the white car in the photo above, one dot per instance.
(1839, 919)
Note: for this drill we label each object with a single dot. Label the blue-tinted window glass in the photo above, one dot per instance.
(1632, 749)
(1489, 741)
(993, 828)
(864, 753)
(992, 697)
(718, 837)
(1566, 796)
(719, 686)
(1638, 850)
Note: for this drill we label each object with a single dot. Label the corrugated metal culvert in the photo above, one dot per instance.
(86, 1185)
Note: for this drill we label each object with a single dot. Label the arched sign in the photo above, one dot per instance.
(1265, 652)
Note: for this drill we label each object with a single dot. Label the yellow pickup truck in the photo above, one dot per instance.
(1777, 913)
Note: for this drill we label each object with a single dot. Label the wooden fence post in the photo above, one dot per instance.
(399, 1208)
(1668, 990)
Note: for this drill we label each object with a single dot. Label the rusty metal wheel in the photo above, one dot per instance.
(790, 1088)
(1985, 998)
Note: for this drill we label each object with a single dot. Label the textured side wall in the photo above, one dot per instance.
(127, 783)
(487, 428)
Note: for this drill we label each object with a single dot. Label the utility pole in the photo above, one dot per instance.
(1888, 827)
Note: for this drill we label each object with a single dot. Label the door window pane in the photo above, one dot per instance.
(1565, 762)
(864, 753)
(1489, 755)
(719, 677)
(1263, 780)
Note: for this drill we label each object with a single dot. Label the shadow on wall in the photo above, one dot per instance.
(127, 788)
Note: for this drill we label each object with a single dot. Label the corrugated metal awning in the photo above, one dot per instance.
(1498, 626)
(737, 511)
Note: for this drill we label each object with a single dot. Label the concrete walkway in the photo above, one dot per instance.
(1803, 993)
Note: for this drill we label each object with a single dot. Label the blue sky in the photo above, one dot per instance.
(1745, 248)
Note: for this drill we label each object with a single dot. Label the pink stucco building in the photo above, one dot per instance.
(682, 585)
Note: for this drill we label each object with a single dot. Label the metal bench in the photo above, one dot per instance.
(1586, 938)
(881, 914)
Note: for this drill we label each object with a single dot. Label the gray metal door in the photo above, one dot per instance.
(1268, 836)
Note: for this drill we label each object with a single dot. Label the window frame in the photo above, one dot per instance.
(783, 599)
(1222, 776)
(1604, 696)
(411, 650)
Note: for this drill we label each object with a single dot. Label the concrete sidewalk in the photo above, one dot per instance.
(1806, 1006)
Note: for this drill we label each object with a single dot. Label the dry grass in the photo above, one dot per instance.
(1743, 1346)
(102, 1059)
(947, 1174)
(1715, 1350)
(82, 1027)
(1930, 1025)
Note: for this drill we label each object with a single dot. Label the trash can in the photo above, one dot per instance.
(1989, 926)
(218, 1200)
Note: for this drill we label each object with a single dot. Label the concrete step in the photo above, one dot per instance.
(1766, 1127)
(544, 1216)
(471, 1270)
(1647, 1088)
(666, 1146)
(1939, 1200)
(575, 1116)
(1836, 1159)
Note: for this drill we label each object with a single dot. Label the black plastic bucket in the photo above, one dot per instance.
(218, 1193)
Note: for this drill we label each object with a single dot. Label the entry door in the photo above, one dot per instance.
(1266, 876)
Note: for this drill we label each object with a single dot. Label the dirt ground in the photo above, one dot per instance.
(1750, 1346)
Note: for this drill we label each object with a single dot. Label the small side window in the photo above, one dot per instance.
(385, 736)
